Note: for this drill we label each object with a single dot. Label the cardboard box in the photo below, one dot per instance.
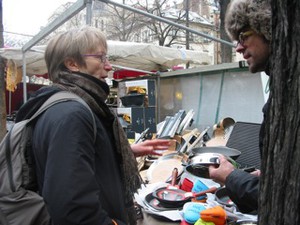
(134, 116)
(131, 136)
(150, 119)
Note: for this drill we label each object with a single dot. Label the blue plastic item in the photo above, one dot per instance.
(199, 186)
(191, 211)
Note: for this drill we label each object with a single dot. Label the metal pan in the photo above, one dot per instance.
(160, 170)
(222, 197)
(154, 203)
(230, 152)
(177, 197)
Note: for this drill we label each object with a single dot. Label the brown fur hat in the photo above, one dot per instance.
(255, 14)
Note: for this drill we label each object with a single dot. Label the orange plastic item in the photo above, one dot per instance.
(217, 215)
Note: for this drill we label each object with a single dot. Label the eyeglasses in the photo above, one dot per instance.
(103, 58)
(243, 37)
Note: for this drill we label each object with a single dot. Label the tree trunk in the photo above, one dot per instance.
(2, 100)
(2, 84)
(280, 181)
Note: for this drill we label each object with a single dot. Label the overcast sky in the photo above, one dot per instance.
(27, 16)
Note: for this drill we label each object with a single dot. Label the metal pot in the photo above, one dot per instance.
(230, 152)
(204, 158)
(197, 165)
(133, 100)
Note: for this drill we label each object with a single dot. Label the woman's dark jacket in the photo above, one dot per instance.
(80, 180)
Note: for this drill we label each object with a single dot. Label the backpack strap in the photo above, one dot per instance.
(9, 162)
(64, 96)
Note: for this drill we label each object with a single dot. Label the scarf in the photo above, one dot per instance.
(94, 92)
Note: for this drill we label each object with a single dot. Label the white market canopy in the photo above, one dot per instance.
(152, 57)
(127, 54)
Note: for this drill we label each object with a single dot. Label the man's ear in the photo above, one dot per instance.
(71, 65)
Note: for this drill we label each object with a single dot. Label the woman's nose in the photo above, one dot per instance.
(107, 66)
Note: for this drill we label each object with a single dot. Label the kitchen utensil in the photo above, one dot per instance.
(197, 165)
(154, 203)
(187, 140)
(189, 120)
(161, 169)
(198, 170)
(142, 136)
(132, 100)
(185, 121)
(199, 186)
(171, 125)
(191, 211)
(230, 152)
(221, 196)
(216, 214)
(174, 179)
(162, 132)
(221, 132)
(177, 197)
(186, 185)
(197, 140)
(204, 158)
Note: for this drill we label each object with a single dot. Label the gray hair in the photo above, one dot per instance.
(72, 44)
(254, 14)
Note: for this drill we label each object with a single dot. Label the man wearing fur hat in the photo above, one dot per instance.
(249, 23)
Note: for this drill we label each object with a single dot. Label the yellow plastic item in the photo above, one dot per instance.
(13, 75)
(126, 118)
(202, 222)
(217, 215)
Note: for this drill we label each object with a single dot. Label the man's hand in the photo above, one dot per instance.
(256, 173)
(150, 147)
(219, 173)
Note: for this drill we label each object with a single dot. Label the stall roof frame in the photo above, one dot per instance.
(78, 6)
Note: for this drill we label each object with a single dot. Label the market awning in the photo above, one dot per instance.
(146, 57)
(152, 57)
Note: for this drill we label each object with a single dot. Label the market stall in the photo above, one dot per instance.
(177, 184)
(122, 55)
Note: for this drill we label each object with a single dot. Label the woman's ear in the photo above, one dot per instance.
(71, 64)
